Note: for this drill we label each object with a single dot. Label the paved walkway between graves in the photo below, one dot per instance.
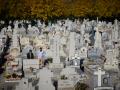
(56, 72)
(90, 81)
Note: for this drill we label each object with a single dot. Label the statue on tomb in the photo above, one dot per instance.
(39, 23)
(16, 25)
(98, 40)
(9, 28)
(82, 29)
(62, 49)
(115, 31)
(29, 28)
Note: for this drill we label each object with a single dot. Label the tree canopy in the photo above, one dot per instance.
(48, 9)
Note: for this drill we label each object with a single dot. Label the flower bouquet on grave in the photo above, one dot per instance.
(13, 77)
(7, 76)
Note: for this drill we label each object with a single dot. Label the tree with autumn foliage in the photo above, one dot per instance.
(81, 8)
(49, 9)
(46, 9)
(19, 9)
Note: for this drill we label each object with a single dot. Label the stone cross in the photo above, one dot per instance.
(99, 73)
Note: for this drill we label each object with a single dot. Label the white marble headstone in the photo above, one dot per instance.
(71, 45)
(111, 60)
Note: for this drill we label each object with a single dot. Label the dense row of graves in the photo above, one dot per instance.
(76, 52)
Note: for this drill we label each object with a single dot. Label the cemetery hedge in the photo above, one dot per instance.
(59, 9)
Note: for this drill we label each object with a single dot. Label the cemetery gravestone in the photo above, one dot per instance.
(111, 62)
(72, 44)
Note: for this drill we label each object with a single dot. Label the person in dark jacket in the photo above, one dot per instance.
(30, 55)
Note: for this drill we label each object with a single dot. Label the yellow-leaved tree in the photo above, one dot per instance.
(49, 9)
(104, 8)
(81, 8)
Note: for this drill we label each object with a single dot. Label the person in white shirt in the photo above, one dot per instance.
(40, 56)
